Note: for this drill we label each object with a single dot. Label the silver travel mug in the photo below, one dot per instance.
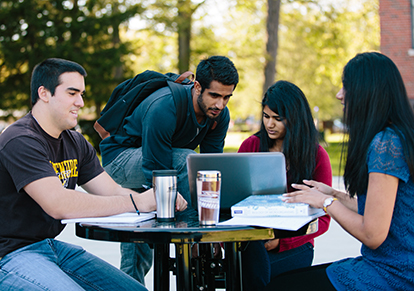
(165, 190)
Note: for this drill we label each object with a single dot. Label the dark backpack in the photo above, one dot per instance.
(129, 94)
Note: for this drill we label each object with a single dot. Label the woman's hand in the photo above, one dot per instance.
(311, 186)
(180, 203)
(314, 196)
(272, 244)
(321, 187)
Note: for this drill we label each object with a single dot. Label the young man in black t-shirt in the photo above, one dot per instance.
(41, 162)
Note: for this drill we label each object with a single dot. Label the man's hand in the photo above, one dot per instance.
(181, 203)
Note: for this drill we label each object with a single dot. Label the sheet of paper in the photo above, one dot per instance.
(276, 222)
(123, 218)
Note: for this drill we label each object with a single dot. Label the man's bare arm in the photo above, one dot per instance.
(61, 203)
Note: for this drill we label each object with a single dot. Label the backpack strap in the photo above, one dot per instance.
(181, 102)
(103, 133)
(186, 75)
(180, 95)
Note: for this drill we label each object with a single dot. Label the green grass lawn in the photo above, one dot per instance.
(333, 145)
(334, 151)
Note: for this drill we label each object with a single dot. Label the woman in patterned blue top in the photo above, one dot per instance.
(378, 208)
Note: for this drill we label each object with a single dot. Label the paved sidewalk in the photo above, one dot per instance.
(335, 244)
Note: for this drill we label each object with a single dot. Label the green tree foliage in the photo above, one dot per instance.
(316, 39)
(316, 42)
(86, 32)
(174, 16)
(152, 51)
(242, 37)
(155, 37)
(235, 30)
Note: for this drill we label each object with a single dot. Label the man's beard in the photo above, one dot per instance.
(204, 108)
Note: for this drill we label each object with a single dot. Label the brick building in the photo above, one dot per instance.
(397, 37)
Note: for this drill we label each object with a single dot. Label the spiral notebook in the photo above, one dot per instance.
(242, 175)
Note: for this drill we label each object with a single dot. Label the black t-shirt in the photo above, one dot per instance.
(28, 153)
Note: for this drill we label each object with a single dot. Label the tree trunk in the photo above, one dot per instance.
(184, 37)
(272, 27)
(184, 20)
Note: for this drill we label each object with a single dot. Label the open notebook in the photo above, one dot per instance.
(123, 218)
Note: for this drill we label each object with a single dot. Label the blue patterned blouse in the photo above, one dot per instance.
(391, 265)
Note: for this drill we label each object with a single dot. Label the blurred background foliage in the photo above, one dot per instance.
(114, 40)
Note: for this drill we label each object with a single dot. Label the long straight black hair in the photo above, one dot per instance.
(375, 98)
(300, 144)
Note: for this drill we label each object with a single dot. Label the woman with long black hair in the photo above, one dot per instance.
(378, 208)
(287, 127)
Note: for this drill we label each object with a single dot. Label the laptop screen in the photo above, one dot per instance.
(242, 175)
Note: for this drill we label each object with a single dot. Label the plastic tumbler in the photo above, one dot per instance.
(165, 190)
(208, 197)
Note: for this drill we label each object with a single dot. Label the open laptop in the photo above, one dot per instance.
(242, 175)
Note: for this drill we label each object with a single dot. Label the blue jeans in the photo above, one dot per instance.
(136, 260)
(126, 170)
(259, 266)
(54, 265)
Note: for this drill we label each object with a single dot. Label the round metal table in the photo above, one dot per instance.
(183, 232)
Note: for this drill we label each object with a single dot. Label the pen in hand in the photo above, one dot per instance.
(136, 208)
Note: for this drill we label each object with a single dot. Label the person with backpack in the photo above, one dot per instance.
(162, 131)
(41, 162)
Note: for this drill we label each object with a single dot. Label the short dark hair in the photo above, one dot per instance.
(216, 68)
(300, 144)
(47, 74)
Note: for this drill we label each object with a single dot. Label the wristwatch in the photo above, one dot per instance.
(327, 202)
